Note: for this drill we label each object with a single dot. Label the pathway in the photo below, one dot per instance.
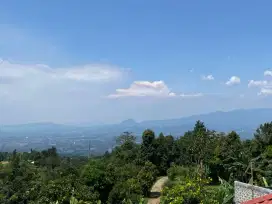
(156, 190)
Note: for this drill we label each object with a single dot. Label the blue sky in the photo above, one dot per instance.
(106, 61)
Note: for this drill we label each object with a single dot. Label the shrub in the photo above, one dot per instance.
(188, 191)
(181, 172)
(128, 191)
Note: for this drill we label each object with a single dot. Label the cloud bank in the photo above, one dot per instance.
(10, 72)
(150, 89)
(37, 83)
(260, 83)
(144, 88)
(264, 85)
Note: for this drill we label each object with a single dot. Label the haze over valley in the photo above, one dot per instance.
(76, 139)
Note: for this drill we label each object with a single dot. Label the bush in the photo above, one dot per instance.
(188, 191)
(181, 172)
(128, 190)
(147, 176)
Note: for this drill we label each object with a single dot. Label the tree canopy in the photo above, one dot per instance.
(197, 159)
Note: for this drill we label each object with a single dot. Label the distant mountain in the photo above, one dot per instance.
(129, 122)
(224, 121)
(244, 121)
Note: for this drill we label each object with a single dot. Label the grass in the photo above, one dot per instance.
(4, 162)
(212, 187)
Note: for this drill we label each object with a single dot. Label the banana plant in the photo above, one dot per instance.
(228, 191)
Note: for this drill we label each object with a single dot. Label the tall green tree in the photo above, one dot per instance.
(263, 138)
(148, 146)
(164, 152)
(200, 143)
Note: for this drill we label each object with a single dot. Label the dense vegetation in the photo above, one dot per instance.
(198, 165)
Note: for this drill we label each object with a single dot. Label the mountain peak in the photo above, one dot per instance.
(128, 122)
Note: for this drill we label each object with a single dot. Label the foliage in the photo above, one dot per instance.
(188, 191)
(263, 136)
(128, 190)
(147, 176)
(225, 192)
(126, 137)
(164, 154)
(147, 151)
(182, 172)
(127, 173)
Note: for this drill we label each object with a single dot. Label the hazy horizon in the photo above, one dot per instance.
(136, 121)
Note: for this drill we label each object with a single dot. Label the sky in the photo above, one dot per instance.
(93, 62)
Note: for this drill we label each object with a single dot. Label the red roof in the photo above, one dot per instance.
(267, 199)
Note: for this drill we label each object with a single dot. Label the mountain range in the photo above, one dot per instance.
(244, 121)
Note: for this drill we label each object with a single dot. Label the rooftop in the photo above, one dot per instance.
(267, 199)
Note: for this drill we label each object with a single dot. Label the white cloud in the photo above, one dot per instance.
(34, 82)
(208, 77)
(154, 89)
(234, 80)
(268, 73)
(10, 72)
(264, 85)
(253, 83)
(265, 91)
(144, 88)
(172, 94)
(41, 93)
(92, 73)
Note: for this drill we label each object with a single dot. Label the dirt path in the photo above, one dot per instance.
(156, 189)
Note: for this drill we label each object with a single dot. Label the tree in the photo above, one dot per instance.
(231, 157)
(164, 152)
(181, 150)
(127, 150)
(126, 137)
(263, 138)
(147, 176)
(148, 137)
(95, 175)
(147, 146)
(200, 143)
(129, 189)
